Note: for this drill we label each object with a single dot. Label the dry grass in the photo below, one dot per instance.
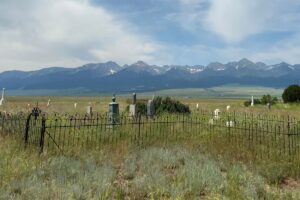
(182, 170)
(100, 104)
(157, 172)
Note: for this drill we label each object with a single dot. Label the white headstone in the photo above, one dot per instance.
(252, 101)
(89, 110)
(228, 107)
(197, 106)
(2, 98)
(132, 110)
(75, 105)
(48, 103)
(217, 113)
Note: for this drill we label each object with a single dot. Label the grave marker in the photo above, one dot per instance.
(113, 111)
(150, 108)
(89, 110)
(252, 101)
(132, 107)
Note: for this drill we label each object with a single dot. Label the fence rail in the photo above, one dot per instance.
(263, 135)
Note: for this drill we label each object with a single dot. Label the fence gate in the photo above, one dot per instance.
(35, 129)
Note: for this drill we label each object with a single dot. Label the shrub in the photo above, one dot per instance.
(169, 105)
(141, 108)
(241, 184)
(265, 99)
(268, 99)
(247, 103)
(162, 105)
(291, 94)
(63, 178)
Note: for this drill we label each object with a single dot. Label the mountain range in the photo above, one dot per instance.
(140, 76)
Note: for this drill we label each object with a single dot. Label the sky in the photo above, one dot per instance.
(43, 33)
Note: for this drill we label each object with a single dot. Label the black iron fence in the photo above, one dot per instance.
(262, 135)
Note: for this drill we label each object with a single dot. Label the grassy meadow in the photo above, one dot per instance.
(178, 171)
(100, 104)
(190, 169)
(226, 91)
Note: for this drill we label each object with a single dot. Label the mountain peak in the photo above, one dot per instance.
(111, 63)
(284, 63)
(140, 63)
(245, 61)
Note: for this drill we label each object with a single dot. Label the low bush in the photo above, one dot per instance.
(161, 105)
(169, 105)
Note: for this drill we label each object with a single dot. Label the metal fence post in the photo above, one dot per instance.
(43, 130)
(289, 137)
(139, 130)
(26, 135)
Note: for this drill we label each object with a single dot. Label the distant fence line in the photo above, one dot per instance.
(264, 135)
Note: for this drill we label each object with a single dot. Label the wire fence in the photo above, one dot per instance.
(264, 136)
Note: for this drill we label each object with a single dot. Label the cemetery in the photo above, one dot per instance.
(169, 134)
(149, 100)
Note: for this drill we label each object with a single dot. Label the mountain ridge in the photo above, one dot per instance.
(110, 76)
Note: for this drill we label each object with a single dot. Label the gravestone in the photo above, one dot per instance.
(252, 101)
(113, 112)
(134, 98)
(132, 107)
(217, 113)
(89, 110)
(150, 108)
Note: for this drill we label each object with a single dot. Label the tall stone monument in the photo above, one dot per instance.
(113, 112)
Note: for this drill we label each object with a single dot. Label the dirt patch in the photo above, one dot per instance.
(290, 183)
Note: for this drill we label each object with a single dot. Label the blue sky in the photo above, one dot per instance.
(43, 33)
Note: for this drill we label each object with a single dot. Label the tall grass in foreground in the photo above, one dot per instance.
(156, 172)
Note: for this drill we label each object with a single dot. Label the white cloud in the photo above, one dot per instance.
(190, 15)
(287, 50)
(236, 20)
(39, 33)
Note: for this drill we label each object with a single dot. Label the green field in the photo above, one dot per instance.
(226, 91)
